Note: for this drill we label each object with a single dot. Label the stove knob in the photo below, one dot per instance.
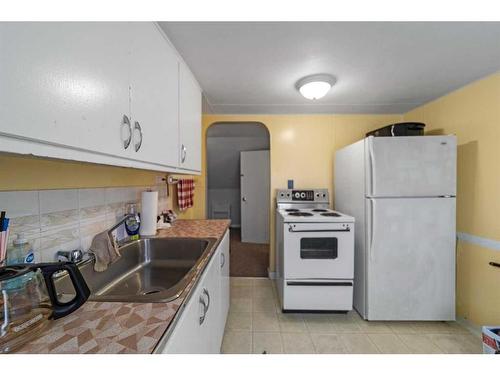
(297, 195)
(302, 195)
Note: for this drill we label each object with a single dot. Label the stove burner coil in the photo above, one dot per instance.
(300, 214)
(333, 214)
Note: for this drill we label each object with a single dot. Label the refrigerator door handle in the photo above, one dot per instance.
(372, 228)
(372, 166)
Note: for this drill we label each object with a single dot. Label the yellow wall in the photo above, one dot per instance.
(30, 173)
(473, 114)
(302, 149)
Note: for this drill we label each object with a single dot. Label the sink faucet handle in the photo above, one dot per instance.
(69, 256)
(164, 215)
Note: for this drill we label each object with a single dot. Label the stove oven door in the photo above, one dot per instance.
(318, 251)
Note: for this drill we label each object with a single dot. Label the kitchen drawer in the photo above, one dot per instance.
(335, 295)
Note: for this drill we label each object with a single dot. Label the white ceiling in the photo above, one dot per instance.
(385, 67)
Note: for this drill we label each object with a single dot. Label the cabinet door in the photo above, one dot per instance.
(224, 285)
(190, 334)
(189, 120)
(65, 84)
(196, 330)
(154, 91)
(212, 319)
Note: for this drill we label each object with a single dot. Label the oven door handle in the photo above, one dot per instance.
(291, 230)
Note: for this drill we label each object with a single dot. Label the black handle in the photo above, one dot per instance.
(494, 264)
(61, 309)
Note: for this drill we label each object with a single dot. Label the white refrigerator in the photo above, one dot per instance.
(401, 191)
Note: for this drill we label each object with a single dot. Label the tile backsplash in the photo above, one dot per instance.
(68, 219)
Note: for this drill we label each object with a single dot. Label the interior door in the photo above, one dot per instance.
(254, 185)
(411, 166)
(411, 258)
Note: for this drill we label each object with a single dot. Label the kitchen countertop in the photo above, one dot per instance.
(119, 327)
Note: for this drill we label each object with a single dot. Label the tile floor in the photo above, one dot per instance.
(256, 325)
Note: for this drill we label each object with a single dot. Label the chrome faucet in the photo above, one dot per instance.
(74, 256)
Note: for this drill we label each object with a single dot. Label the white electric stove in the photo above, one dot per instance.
(314, 253)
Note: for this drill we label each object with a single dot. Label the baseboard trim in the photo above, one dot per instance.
(469, 326)
(271, 274)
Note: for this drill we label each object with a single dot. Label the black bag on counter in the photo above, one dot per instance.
(401, 129)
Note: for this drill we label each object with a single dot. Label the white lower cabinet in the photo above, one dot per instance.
(224, 284)
(200, 327)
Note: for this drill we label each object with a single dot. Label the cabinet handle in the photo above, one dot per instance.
(208, 297)
(126, 123)
(202, 302)
(183, 153)
(137, 126)
(223, 259)
(206, 306)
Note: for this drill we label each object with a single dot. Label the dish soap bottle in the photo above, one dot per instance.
(133, 222)
(21, 251)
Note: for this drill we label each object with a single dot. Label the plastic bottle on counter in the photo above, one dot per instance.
(133, 223)
(21, 251)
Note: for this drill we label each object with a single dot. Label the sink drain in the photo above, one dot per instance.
(151, 291)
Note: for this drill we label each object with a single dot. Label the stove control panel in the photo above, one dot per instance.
(312, 195)
(303, 195)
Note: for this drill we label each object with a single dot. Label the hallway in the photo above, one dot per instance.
(248, 259)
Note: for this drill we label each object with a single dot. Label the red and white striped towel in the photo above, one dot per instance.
(185, 193)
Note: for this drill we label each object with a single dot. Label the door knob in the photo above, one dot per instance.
(244, 199)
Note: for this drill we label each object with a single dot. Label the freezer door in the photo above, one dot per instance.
(411, 259)
(411, 166)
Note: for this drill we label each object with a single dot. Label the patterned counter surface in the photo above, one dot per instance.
(117, 327)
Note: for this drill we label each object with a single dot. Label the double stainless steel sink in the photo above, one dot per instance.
(148, 270)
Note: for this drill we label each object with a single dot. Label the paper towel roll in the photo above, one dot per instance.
(149, 212)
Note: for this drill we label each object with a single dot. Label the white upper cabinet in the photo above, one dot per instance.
(189, 121)
(65, 83)
(154, 97)
(103, 92)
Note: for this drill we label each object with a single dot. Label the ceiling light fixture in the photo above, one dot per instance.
(315, 86)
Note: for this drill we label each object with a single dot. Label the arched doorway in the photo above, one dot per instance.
(238, 188)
